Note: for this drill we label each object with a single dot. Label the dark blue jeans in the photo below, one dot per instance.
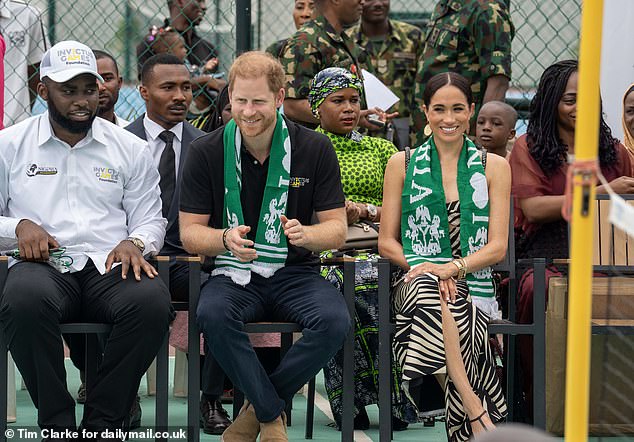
(294, 294)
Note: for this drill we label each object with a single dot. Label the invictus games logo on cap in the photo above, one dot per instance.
(72, 56)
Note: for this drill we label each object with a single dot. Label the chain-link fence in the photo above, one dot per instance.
(546, 31)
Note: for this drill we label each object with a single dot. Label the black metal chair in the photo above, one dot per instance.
(505, 327)
(92, 330)
(286, 329)
(193, 346)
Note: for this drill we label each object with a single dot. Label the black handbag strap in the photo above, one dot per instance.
(408, 153)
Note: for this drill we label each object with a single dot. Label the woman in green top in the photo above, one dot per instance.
(335, 101)
(446, 217)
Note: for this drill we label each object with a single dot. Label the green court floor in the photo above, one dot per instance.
(26, 418)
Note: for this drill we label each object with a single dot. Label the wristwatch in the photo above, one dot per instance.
(462, 268)
(137, 243)
(372, 211)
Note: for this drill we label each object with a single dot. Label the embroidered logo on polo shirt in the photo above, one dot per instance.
(34, 169)
(17, 38)
(298, 181)
(106, 174)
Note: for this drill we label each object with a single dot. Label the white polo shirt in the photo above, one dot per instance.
(23, 32)
(89, 197)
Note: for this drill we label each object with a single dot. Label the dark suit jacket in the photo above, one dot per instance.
(173, 245)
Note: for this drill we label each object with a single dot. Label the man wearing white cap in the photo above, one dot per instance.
(80, 196)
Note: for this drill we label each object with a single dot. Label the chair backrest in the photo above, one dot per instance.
(508, 263)
(612, 246)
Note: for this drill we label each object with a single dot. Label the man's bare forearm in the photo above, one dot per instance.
(326, 235)
(299, 110)
(497, 86)
(202, 240)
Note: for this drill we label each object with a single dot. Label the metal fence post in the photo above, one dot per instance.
(52, 21)
(127, 43)
(243, 26)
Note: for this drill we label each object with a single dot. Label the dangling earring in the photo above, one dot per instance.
(317, 115)
(427, 130)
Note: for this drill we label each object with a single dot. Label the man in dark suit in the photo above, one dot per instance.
(167, 91)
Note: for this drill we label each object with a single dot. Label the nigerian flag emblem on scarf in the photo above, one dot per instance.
(425, 227)
(270, 241)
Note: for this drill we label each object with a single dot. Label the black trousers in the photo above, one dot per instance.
(37, 298)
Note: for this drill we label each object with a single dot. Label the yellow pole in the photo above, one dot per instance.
(580, 280)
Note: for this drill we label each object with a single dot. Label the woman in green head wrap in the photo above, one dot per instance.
(335, 100)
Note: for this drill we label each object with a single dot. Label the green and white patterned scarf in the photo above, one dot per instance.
(270, 241)
(425, 231)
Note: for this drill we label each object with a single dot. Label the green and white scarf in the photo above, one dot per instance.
(425, 231)
(270, 241)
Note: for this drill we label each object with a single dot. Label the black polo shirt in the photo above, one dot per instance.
(315, 183)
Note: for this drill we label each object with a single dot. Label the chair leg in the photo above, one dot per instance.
(161, 383)
(385, 353)
(180, 374)
(310, 409)
(12, 413)
(150, 379)
(539, 344)
(238, 401)
(93, 357)
(3, 386)
(510, 377)
(286, 343)
(347, 408)
(193, 347)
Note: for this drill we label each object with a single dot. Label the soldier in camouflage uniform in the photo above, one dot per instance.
(472, 38)
(319, 44)
(394, 52)
(304, 11)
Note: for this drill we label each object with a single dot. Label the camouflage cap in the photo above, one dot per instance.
(331, 80)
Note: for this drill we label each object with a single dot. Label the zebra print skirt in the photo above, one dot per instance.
(420, 349)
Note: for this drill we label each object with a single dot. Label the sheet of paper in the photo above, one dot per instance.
(376, 93)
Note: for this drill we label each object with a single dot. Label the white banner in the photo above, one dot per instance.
(617, 59)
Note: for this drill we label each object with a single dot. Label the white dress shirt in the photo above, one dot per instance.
(89, 197)
(120, 121)
(152, 132)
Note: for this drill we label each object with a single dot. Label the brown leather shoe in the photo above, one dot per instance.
(274, 431)
(245, 428)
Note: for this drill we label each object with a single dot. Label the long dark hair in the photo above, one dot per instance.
(544, 143)
(214, 121)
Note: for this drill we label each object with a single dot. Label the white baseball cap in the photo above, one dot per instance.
(66, 60)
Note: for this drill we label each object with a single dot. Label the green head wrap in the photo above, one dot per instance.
(331, 80)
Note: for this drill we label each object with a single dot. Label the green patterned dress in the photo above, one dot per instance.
(362, 161)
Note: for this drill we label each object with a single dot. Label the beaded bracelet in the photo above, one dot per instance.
(224, 237)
